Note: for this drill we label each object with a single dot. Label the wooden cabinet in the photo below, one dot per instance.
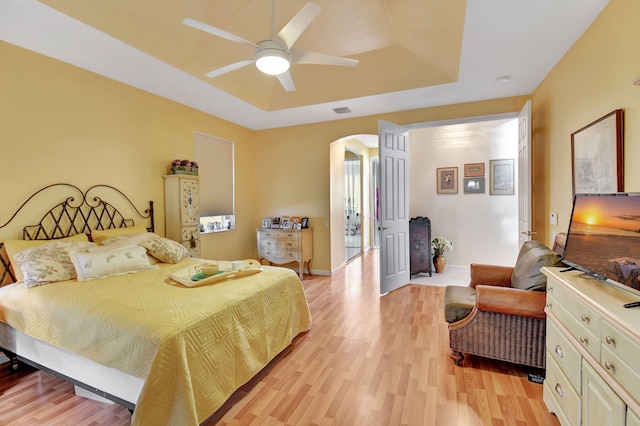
(182, 211)
(282, 246)
(592, 344)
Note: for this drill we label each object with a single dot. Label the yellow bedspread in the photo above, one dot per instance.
(194, 346)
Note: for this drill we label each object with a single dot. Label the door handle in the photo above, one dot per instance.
(385, 227)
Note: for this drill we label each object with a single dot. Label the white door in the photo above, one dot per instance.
(524, 173)
(393, 145)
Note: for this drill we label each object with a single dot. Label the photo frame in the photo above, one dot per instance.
(275, 222)
(304, 223)
(447, 180)
(501, 177)
(266, 223)
(474, 185)
(597, 155)
(474, 170)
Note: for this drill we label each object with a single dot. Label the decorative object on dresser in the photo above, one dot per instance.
(182, 210)
(183, 167)
(593, 347)
(420, 235)
(597, 155)
(282, 246)
(500, 315)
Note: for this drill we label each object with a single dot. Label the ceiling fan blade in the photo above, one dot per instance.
(286, 81)
(296, 26)
(217, 32)
(229, 68)
(307, 57)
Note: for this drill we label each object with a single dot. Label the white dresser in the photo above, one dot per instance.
(182, 211)
(593, 351)
(282, 246)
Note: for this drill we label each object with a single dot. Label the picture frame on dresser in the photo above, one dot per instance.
(304, 222)
(266, 223)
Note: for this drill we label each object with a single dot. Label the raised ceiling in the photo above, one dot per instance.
(400, 44)
(412, 53)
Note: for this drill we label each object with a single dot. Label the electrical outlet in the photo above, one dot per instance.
(553, 218)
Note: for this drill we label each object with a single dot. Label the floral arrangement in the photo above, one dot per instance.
(440, 245)
(184, 163)
(184, 167)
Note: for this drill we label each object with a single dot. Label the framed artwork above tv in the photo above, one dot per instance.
(597, 155)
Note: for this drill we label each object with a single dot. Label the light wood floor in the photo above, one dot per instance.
(368, 360)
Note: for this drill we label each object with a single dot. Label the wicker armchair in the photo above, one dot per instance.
(500, 315)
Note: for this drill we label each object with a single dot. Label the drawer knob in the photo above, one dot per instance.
(549, 305)
(558, 389)
(558, 351)
(549, 289)
(609, 340)
(609, 367)
(584, 318)
(584, 341)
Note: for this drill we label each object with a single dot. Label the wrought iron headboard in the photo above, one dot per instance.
(81, 212)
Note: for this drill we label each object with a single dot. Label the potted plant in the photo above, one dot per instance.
(439, 245)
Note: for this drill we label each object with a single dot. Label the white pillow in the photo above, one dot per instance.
(119, 261)
(48, 262)
(166, 250)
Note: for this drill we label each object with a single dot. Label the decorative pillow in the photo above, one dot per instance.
(100, 235)
(49, 262)
(533, 256)
(12, 247)
(128, 240)
(118, 261)
(166, 250)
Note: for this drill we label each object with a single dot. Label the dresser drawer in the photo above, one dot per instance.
(620, 356)
(288, 244)
(565, 354)
(590, 341)
(581, 321)
(557, 385)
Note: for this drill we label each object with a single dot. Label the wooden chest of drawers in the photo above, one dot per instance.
(593, 347)
(282, 246)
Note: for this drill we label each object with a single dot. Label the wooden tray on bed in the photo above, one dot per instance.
(183, 276)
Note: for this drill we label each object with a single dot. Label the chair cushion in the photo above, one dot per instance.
(533, 256)
(458, 302)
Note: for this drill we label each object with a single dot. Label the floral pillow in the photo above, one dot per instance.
(166, 250)
(100, 235)
(103, 263)
(48, 262)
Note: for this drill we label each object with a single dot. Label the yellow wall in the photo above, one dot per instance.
(593, 79)
(293, 165)
(59, 123)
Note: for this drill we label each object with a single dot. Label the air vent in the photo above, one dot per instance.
(342, 110)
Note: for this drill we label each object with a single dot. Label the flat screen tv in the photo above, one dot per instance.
(604, 237)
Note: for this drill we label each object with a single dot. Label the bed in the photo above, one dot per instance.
(170, 353)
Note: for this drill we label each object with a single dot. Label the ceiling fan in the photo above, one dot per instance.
(275, 55)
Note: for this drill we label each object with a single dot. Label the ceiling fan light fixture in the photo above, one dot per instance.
(273, 61)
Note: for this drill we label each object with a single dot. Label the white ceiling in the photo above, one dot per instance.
(521, 39)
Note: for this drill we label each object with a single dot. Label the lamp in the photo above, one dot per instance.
(272, 59)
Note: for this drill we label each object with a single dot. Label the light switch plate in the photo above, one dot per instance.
(553, 218)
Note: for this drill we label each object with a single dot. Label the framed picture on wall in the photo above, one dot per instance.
(474, 170)
(597, 156)
(447, 180)
(501, 177)
(474, 185)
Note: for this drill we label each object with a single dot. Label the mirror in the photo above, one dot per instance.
(215, 160)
